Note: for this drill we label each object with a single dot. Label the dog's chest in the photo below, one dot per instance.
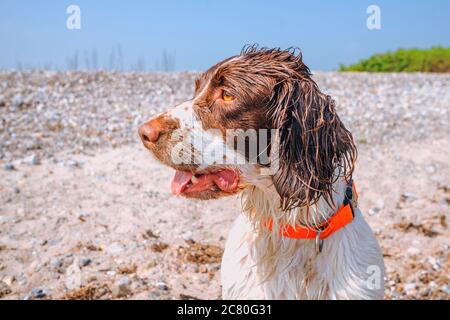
(245, 266)
(255, 268)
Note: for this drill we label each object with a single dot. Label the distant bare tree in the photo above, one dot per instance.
(116, 58)
(112, 59)
(119, 57)
(87, 62)
(48, 65)
(72, 62)
(140, 64)
(94, 62)
(168, 61)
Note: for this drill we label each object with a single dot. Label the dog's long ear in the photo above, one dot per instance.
(315, 148)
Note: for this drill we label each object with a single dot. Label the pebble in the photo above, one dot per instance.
(8, 166)
(396, 295)
(85, 262)
(83, 216)
(67, 260)
(121, 287)
(17, 101)
(413, 251)
(373, 211)
(115, 249)
(424, 292)
(435, 263)
(38, 293)
(410, 288)
(32, 160)
(153, 295)
(74, 163)
(187, 236)
(21, 279)
(203, 269)
(431, 168)
(9, 280)
(4, 289)
(446, 289)
(56, 264)
(410, 196)
(192, 267)
(33, 103)
(161, 286)
(73, 276)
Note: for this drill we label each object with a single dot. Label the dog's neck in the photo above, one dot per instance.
(261, 204)
(276, 267)
(269, 249)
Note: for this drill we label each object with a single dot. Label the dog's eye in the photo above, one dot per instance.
(226, 96)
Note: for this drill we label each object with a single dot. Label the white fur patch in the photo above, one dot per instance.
(258, 265)
(208, 146)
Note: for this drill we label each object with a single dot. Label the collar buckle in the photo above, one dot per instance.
(351, 197)
(319, 242)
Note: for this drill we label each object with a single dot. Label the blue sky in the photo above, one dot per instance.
(201, 32)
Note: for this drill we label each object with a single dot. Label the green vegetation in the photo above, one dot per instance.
(436, 59)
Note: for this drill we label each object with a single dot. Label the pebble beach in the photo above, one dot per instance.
(86, 213)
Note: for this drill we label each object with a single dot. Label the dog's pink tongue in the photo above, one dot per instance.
(226, 180)
(180, 181)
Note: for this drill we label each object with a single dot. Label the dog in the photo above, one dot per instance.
(301, 234)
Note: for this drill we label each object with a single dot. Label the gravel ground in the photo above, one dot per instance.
(85, 213)
(46, 113)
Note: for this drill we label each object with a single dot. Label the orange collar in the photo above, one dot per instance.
(341, 218)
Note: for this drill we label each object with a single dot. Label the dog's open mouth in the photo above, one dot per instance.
(185, 182)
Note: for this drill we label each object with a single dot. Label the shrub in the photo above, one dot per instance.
(436, 59)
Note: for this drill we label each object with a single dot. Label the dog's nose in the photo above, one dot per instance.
(149, 132)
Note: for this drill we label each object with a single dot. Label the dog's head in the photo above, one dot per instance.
(263, 100)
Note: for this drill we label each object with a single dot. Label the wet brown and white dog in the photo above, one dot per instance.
(296, 177)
